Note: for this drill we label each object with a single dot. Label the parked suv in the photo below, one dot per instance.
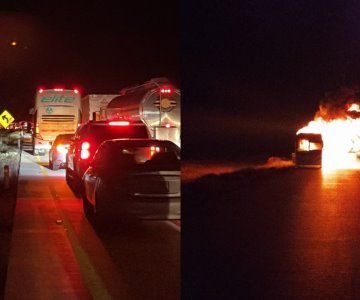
(86, 141)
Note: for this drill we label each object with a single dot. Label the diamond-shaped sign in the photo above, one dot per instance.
(6, 119)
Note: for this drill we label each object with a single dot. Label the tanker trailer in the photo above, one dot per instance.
(156, 103)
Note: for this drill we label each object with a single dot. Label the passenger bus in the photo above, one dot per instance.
(57, 111)
(308, 150)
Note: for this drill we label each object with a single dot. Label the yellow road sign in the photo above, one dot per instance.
(6, 119)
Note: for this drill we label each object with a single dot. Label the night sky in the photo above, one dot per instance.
(259, 69)
(251, 72)
(99, 46)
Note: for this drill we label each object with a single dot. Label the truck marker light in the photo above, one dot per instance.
(165, 91)
(76, 91)
(119, 123)
(41, 90)
(167, 125)
(58, 89)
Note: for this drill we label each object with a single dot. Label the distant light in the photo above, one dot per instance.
(13, 43)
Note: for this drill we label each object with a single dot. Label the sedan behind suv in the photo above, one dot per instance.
(58, 150)
(88, 138)
(133, 178)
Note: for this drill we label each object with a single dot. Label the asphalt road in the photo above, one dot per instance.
(57, 254)
(272, 234)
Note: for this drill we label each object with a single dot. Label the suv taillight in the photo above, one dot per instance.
(85, 150)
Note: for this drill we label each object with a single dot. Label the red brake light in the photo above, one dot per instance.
(85, 153)
(76, 91)
(119, 123)
(41, 90)
(85, 146)
(154, 150)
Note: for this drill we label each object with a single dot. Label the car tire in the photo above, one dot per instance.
(75, 185)
(101, 213)
(70, 180)
(67, 176)
(88, 209)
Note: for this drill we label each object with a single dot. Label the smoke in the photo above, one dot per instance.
(278, 162)
(335, 104)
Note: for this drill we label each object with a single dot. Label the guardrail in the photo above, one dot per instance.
(10, 157)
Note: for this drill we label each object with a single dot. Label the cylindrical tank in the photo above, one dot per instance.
(155, 103)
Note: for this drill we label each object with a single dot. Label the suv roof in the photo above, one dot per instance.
(99, 131)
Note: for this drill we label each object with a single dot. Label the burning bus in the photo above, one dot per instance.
(308, 150)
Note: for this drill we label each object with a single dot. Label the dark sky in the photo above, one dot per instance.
(250, 71)
(259, 68)
(99, 46)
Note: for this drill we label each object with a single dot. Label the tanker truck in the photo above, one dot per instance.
(91, 106)
(156, 103)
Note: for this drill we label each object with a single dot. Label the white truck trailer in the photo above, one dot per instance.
(91, 106)
(156, 103)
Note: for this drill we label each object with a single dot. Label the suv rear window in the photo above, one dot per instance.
(105, 132)
(63, 138)
(149, 155)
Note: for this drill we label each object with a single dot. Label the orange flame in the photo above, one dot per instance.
(341, 138)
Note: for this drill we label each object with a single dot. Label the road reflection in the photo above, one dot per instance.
(324, 254)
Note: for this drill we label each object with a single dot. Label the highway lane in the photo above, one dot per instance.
(272, 234)
(56, 253)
